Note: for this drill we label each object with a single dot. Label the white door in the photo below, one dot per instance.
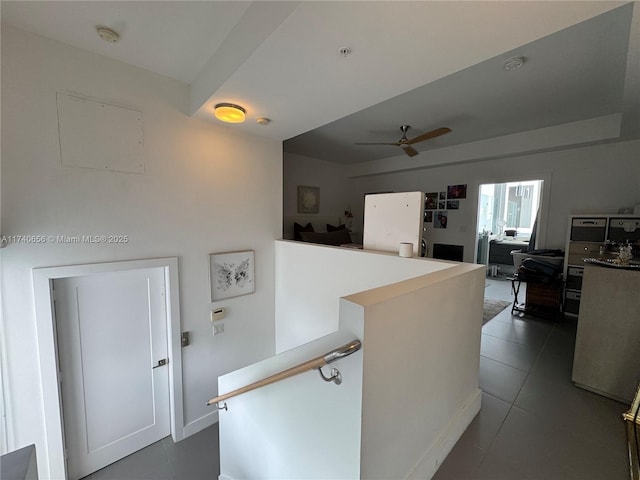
(112, 335)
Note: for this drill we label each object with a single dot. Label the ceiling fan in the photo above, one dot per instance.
(406, 143)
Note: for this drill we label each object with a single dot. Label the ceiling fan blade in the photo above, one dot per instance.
(394, 144)
(412, 152)
(432, 134)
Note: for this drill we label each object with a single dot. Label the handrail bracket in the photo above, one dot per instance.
(335, 377)
(218, 407)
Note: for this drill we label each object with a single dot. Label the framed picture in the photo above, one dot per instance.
(442, 204)
(428, 216)
(440, 219)
(443, 195)
(232, 274)
(453, 204)
(457, 191)
(431, 201)
(308, 199)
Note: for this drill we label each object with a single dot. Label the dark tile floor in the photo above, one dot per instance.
(533, 425)
(194, 458)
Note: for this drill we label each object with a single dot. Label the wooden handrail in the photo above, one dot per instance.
(313, 364)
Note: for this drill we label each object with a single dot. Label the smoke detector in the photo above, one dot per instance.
(344, 51)
(107, 34)
(513, 63)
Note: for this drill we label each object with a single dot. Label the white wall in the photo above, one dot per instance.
(590, 179)
(596, 179)
(421, 361)
(205, 189)
(301, 427)
(406, 398)
(311, 278)
(329, 176)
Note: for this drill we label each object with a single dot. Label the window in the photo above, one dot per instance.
(509, 206)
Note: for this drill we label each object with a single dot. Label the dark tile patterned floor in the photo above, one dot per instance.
(194, 458)
(534, 423)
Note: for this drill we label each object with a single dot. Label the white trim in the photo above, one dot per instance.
(6, 437)
(428, 465)
(174, 352)
(53, 455)
(200, 424)
(566, 136)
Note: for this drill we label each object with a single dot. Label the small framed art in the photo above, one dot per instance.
(232, 274)
(431, 201)
(308, 199)
(456, 191)
(428, 216)
(440, 219)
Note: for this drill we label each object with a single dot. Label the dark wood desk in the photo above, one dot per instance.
(542, 299)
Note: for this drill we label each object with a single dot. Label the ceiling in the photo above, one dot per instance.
(575, 74)
(423, 63)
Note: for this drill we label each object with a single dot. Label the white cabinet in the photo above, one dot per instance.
(587, 237)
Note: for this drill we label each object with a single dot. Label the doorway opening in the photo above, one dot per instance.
(511, 216)
(509, 206)
(507, 221)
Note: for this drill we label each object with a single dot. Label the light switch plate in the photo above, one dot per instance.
(218, 314)
(218, 328)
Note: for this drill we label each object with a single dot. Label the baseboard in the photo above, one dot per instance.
(447, 438)
(200, 424)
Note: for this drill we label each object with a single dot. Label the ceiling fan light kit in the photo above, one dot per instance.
(406, 143)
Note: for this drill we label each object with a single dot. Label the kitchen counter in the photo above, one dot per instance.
(611, 262)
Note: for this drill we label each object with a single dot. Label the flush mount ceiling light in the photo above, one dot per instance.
(230, 113)
(107, 34)
(513, 63)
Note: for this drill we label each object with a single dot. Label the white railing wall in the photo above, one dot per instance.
(406, 396)
(421, 354)
(299, 428)
(311, 278)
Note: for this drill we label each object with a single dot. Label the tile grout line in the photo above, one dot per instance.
(506, 365)
(512, 404)
(524, 345)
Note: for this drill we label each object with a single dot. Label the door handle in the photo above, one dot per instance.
(161, 363)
